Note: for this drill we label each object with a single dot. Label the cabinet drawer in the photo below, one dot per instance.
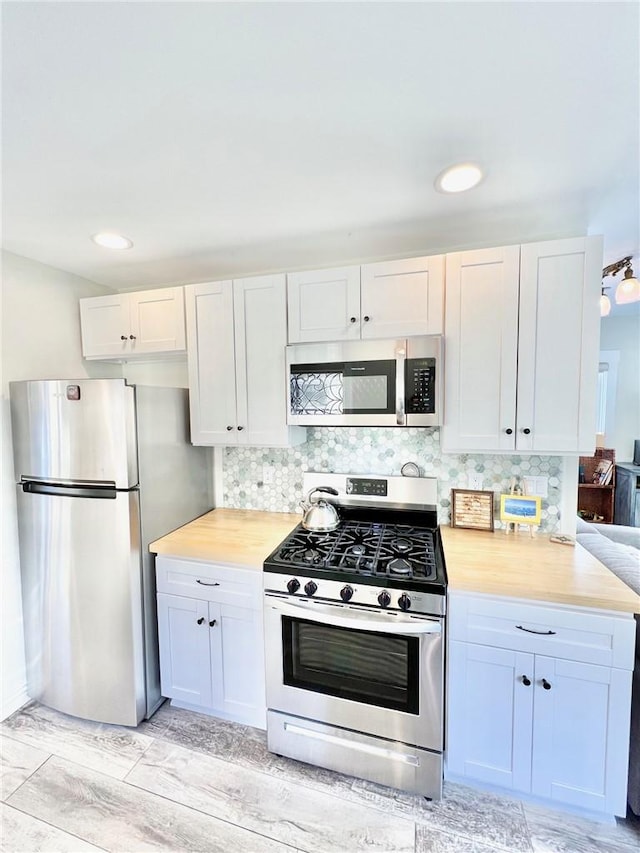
(572, 633)
(209, 582)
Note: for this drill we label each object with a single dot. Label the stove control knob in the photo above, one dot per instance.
(293, 585)
(310, 587)
(404, 602)
(346, 593)
(384, 599)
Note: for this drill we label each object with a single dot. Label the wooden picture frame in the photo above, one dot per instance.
(520, 509)
(472, 509)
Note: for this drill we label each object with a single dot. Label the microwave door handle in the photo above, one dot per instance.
(329, 616)
(401, 354)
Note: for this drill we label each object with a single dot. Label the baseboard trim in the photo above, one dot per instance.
(12, 703)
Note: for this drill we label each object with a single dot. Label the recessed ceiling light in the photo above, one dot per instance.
(109, 240)
(457, 179)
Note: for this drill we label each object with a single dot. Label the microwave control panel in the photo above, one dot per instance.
(420, 386)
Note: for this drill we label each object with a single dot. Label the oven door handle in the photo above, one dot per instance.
(364, 622)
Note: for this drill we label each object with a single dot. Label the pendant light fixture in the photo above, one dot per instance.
(627, 291)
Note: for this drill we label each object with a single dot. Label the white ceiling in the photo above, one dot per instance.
(230, 139)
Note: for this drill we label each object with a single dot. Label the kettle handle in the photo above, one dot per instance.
(307, 502)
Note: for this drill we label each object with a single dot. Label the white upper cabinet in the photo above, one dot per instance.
(402, 298)
(237, 334)
(521, 347)
(558, 346)
(481, 349)
(324, 305)
(127, 325)
(211, 359)
(382, 300)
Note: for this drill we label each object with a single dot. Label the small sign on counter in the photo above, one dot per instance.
(472, 509)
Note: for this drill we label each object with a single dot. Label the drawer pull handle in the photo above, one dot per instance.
(531, 631)
(204, 583)
(546, 684)
(212, 623)
(201, 620)
(526, 681)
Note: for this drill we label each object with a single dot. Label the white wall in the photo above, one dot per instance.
(622, 334)
(40, 340)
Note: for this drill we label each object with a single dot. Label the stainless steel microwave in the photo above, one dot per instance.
(366, 383)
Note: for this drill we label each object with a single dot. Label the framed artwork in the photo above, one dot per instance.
(520, 509)
(472, 509)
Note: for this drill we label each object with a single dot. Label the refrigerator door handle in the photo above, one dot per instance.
(69, 491)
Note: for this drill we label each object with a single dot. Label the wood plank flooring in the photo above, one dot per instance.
(187, 782)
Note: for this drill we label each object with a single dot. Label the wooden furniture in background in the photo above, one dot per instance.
(596, 501)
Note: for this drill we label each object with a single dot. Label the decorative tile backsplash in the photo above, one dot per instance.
(377, 450)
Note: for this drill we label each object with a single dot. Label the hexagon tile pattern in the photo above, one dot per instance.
(377, 450)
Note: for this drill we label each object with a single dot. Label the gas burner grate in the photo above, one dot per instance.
(364, 548)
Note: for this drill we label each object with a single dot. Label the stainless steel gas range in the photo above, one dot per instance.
(354, 633)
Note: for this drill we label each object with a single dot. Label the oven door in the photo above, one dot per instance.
(380, 673)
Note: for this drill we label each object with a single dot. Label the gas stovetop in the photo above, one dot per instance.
(362, 549)
(381, 547)
(385, 554)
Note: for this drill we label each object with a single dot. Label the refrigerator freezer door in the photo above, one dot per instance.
(82, 603)
(75, 431)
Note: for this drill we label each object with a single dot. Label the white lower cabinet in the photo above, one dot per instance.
(211, 650)
(527, 721)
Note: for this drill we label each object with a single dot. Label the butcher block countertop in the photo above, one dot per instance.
(235, 537)
(519, 566)
(477, 561)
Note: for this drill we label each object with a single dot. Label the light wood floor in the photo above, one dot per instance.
(187, 782)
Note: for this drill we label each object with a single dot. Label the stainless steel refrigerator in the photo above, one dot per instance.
(103, 468)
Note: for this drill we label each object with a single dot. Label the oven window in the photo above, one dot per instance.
(363, 666)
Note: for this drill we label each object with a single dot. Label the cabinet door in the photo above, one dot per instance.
(324, 305)
(185, 661)
(260, 317)
(401, 298)
(104, 321)
(157, 320)
(481, 337)
(212, 377)
(490, 714)
(237, 663)
(560, 284)
(581, 734)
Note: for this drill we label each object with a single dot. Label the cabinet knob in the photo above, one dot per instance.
(546, 684)
(526, 431)
(201, 620)
(229, 428)
(123, 337)
(509, 431)
(526, 681)
(240, 429)
(366, 318)
(352, 319)
(212, 623)
(132, 337)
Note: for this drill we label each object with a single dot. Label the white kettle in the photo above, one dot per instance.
(319, 514)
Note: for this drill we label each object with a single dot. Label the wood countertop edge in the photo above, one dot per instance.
(196, 541)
